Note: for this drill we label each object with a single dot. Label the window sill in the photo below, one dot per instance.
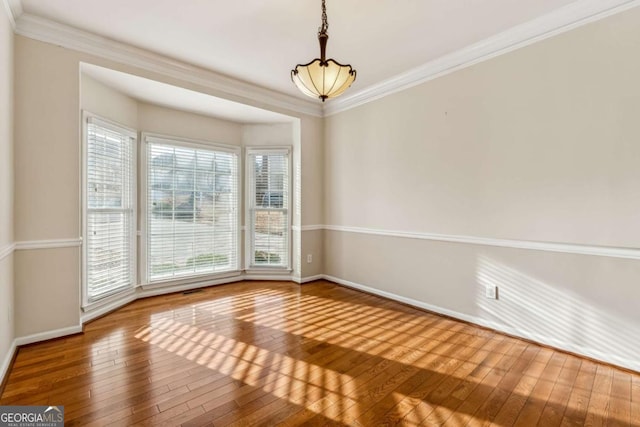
(268, 270)
(193, 280)
(105, 305)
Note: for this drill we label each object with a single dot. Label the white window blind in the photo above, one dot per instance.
(110, 209)
(268, 208)
(192, 210)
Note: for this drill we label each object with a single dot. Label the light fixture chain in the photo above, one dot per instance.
(323, 78)
(325, 24)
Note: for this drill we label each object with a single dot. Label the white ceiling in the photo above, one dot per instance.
(260, 41)
(153, 92)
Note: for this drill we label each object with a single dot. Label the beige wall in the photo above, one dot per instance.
(170, 122)
(47, 150)
(47, 290)
(6, 189)
(6, 131)
(540, 144)
(108, 103)
(312, 244)
(7, 309)
(312, 156)
(47, 184)
(269, 135)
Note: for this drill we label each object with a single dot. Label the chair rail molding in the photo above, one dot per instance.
(48, 244)
(569, 248)
(7, 250)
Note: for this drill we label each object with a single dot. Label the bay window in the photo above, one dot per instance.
(189, 205)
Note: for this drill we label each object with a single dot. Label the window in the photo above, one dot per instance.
(109, 202)
(268, 208)
(191, 209)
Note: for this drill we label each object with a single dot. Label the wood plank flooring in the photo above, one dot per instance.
(269, 353)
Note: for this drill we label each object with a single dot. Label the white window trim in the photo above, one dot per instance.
(86, 117)
(142, 232)
(248, 203)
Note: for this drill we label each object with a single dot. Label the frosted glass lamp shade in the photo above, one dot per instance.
(323, 79)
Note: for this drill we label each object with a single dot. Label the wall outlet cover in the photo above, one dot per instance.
(491, 291)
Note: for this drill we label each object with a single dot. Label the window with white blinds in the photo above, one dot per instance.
(268, 208)
(192, 209)
(109, 244)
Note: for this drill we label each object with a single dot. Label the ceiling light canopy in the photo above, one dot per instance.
(323, 78)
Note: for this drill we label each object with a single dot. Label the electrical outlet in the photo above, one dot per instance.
(491, 291)
(309, 258)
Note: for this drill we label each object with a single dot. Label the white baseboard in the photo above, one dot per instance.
(152, 291)
(528, 335)
(146, 291)
(308, 279)
(102, 309)
(48, 335)
(4, 368)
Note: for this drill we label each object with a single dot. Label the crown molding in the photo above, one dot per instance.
(14, 10)
(559, 21)
(48, 31)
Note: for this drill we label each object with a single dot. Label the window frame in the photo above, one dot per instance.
(249, 204)
(87, 117)
(143, 171)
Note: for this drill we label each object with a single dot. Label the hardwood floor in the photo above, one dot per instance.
(267, 353)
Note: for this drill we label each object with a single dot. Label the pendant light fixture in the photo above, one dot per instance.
(323, 78)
